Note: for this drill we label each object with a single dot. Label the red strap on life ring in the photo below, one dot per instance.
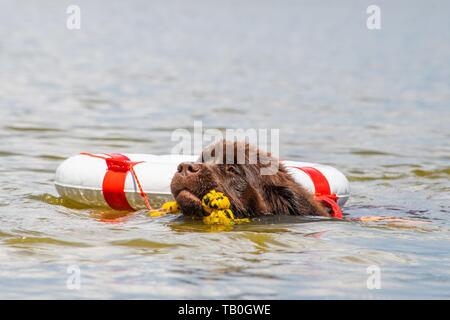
(113, 186)
(114, 182)
(323, 191)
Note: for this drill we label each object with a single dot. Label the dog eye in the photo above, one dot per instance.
(232, 169)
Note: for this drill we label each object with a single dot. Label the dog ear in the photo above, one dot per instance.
(292, 200)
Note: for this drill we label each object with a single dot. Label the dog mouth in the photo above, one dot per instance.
(186, 194)
(189, 203)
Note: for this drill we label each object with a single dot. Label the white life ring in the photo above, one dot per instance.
(106, 180)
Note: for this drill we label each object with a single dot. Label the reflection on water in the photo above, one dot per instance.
(375, 104)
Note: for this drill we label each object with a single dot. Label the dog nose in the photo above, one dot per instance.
(186, 168)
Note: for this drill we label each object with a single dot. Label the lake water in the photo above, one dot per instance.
(373, 103)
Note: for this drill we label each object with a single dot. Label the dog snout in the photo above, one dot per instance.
(188, 168)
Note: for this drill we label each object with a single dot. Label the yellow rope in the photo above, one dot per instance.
(218, 206)
(168, 207)
(215, 203)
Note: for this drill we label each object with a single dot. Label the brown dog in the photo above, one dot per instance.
(228, 167)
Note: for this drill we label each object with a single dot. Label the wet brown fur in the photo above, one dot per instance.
(250, 192)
